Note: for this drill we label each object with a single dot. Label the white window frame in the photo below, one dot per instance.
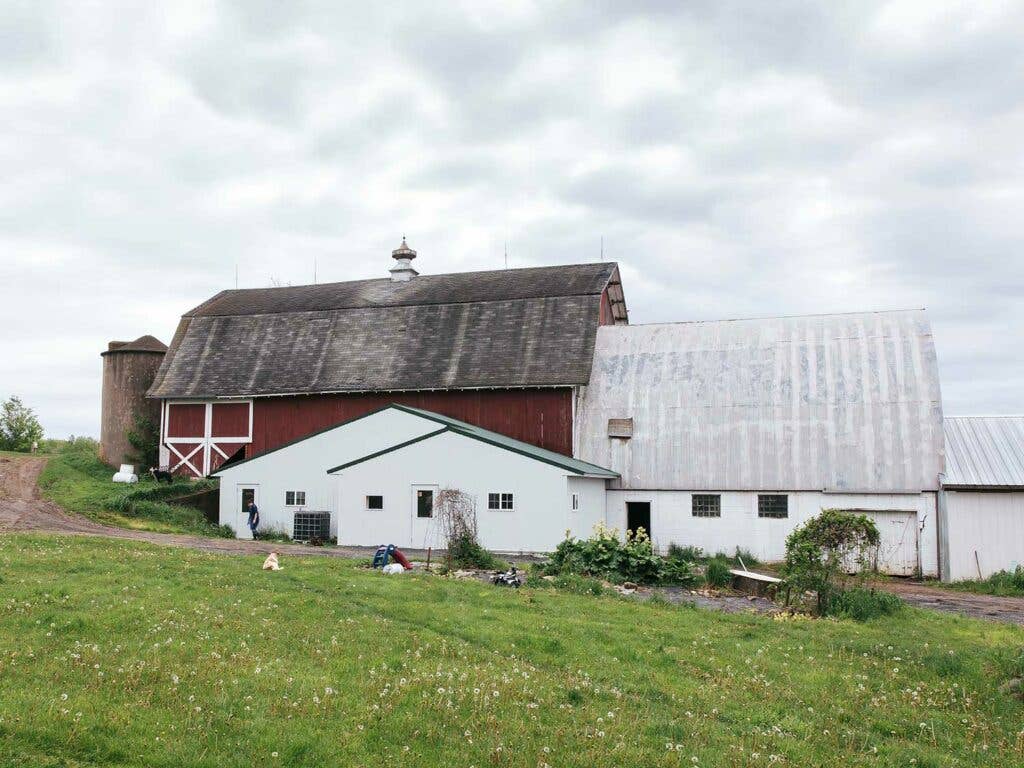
(366, 502)
(295, 499)
(501, 501)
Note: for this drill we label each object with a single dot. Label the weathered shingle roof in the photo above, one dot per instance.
(828, 402)
(984, 451)
(507, 328)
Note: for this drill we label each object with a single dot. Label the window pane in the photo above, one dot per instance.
(375, 502)
(773, 505)
(289, 498)
(492, 501)
(707, 505)
(300, 498)
(506, 501)
(424, 503)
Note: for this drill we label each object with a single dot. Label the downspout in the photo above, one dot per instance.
(943, 530)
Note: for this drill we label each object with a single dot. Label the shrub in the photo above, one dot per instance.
(605, 555)
(466, 552)
(862, 604)
(823, 551)
(688, 553)
(716, 573)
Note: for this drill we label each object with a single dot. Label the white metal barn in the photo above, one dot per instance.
(732, 433)
(983, 496)
(378, 476)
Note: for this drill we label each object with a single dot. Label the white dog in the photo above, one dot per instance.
(271, 564)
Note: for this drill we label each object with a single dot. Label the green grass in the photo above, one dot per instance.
(120, 653)
(79, 482)
(1003, 583)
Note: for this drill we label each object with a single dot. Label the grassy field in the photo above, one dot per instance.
(1003, 583)
(78, 481)
(118, 653)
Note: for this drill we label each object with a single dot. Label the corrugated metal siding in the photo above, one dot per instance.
(836, 402)
(985, 451)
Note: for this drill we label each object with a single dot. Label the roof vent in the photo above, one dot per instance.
(403, 255)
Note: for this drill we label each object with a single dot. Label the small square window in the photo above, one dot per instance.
(773, 505)
(499, 501)
(424, 503)
(575, 502)
(295, 498)
(375, 502)
(706, 504)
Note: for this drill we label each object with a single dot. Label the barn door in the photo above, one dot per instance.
(897, 553)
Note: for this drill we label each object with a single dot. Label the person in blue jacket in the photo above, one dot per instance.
(254, 518)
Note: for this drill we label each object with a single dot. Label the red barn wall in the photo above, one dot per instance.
(542, 417)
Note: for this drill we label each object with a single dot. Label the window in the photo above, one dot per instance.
(575, 502)
(706, 505)
(375, 502)
(499, 501)
(295, 498)
(424, 503)
(773, 505)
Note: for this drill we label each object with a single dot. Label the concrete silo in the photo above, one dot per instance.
(128, 371)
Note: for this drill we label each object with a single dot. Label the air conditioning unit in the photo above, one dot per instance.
(311, 525)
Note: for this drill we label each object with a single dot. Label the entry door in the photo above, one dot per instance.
(897, 549)
(638, 515)
(246, 495)
(424, 524)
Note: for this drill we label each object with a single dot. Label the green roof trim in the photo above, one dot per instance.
(492, 438)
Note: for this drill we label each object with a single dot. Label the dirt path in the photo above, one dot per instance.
(1009, 609)
(22, 508)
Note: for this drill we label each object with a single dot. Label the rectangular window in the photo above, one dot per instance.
(575, 502)
(706, 505)
(375, 502)
(499, 501)
(424, 503)
(773, 505)
(295, 498)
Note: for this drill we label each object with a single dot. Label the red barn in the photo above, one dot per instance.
(250, 370)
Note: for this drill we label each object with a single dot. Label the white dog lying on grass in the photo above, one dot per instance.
(271, 564)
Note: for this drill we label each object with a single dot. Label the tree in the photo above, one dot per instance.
(144, 438)
(824, 551)
(19, 427)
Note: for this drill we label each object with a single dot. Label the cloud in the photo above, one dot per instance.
(737, 159)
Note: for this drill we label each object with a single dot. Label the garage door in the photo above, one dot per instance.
(897, 552)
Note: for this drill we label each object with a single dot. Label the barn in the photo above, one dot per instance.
(250, 370)
(530, 388)
(982, 496)
(731, 433)
(376, 478)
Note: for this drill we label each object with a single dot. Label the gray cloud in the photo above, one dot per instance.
(738, 159)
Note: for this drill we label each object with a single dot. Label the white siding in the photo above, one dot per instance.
(672, 520)
(592, 505)
(989, 523)
(450, 460)
(302, 466)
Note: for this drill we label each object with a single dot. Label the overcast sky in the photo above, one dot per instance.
(739, 159)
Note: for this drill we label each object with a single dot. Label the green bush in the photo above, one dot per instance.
(604, 555)
(862, 604)
(466, 552)
(822, 551)
(716, 572)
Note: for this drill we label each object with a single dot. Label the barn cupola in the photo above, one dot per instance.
(403, 255)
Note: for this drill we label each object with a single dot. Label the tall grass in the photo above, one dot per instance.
(78, 481)
(1003, 583)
